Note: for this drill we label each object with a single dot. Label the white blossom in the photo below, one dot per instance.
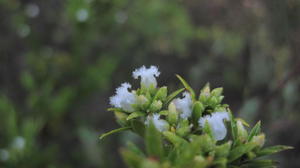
(147, 75)
(160, 124)
(184, 105)
(4, 155)
(216, 122)
(123, 98)
(19, 143)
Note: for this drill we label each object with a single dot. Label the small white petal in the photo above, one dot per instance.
(160, 125)
(184, 105)
(216, 122)
(123, 98)
(147, 75)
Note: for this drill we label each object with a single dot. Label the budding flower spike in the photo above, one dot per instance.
(185, 131)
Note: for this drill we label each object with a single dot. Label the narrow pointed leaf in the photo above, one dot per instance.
(239, 151)
(255, 131)
(187, 86)
(173, 95)
(259, 164)
(273, 149)
(114, 131)
(135, 115)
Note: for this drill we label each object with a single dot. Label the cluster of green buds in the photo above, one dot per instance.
(182, 129)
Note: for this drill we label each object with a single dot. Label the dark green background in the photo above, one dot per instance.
(61, 60)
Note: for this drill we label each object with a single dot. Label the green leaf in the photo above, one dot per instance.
(233, 126)
(259, 164)
(114, 131)
(132, 159)
(138, 127)
(135, 115)
(272, 150)
(173, 95)
(239, 151)
(161, 94)
(174, 139)
(223, 150)
(187, 86)
(133, 148)
(154, 146)
(207, 129)
(255, 131)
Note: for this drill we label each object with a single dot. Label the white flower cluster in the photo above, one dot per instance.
(125, 99)
(216, 122)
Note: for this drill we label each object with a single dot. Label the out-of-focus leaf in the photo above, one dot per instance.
(138, 127)
(114, 131)
(153, 140)
(259, 164)
(133, 148)
(173, 138)
(132, 159)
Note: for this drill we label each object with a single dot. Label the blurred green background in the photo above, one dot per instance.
(61, 60)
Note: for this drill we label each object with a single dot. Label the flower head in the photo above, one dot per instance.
(184, 105)
(123, 98)
(147, 75)
(160, 125)
(216, 122)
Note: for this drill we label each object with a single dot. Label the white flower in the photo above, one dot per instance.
(147, 75)
(184, 105)
(160, 125)
(19, 143)
(4, 155)
(123, 98)
(216, 122)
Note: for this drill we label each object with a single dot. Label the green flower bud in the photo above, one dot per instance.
(200, 162)
(217, 92)
(155, 106)
(198, 109)
(213, 101)
(121, 118)
(205, 93)
(162, 93)
(173, 114)
(142, 102)
(183, 128)
(242, 132)
(259, 140)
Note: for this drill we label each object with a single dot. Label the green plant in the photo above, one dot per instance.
(186, 132)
